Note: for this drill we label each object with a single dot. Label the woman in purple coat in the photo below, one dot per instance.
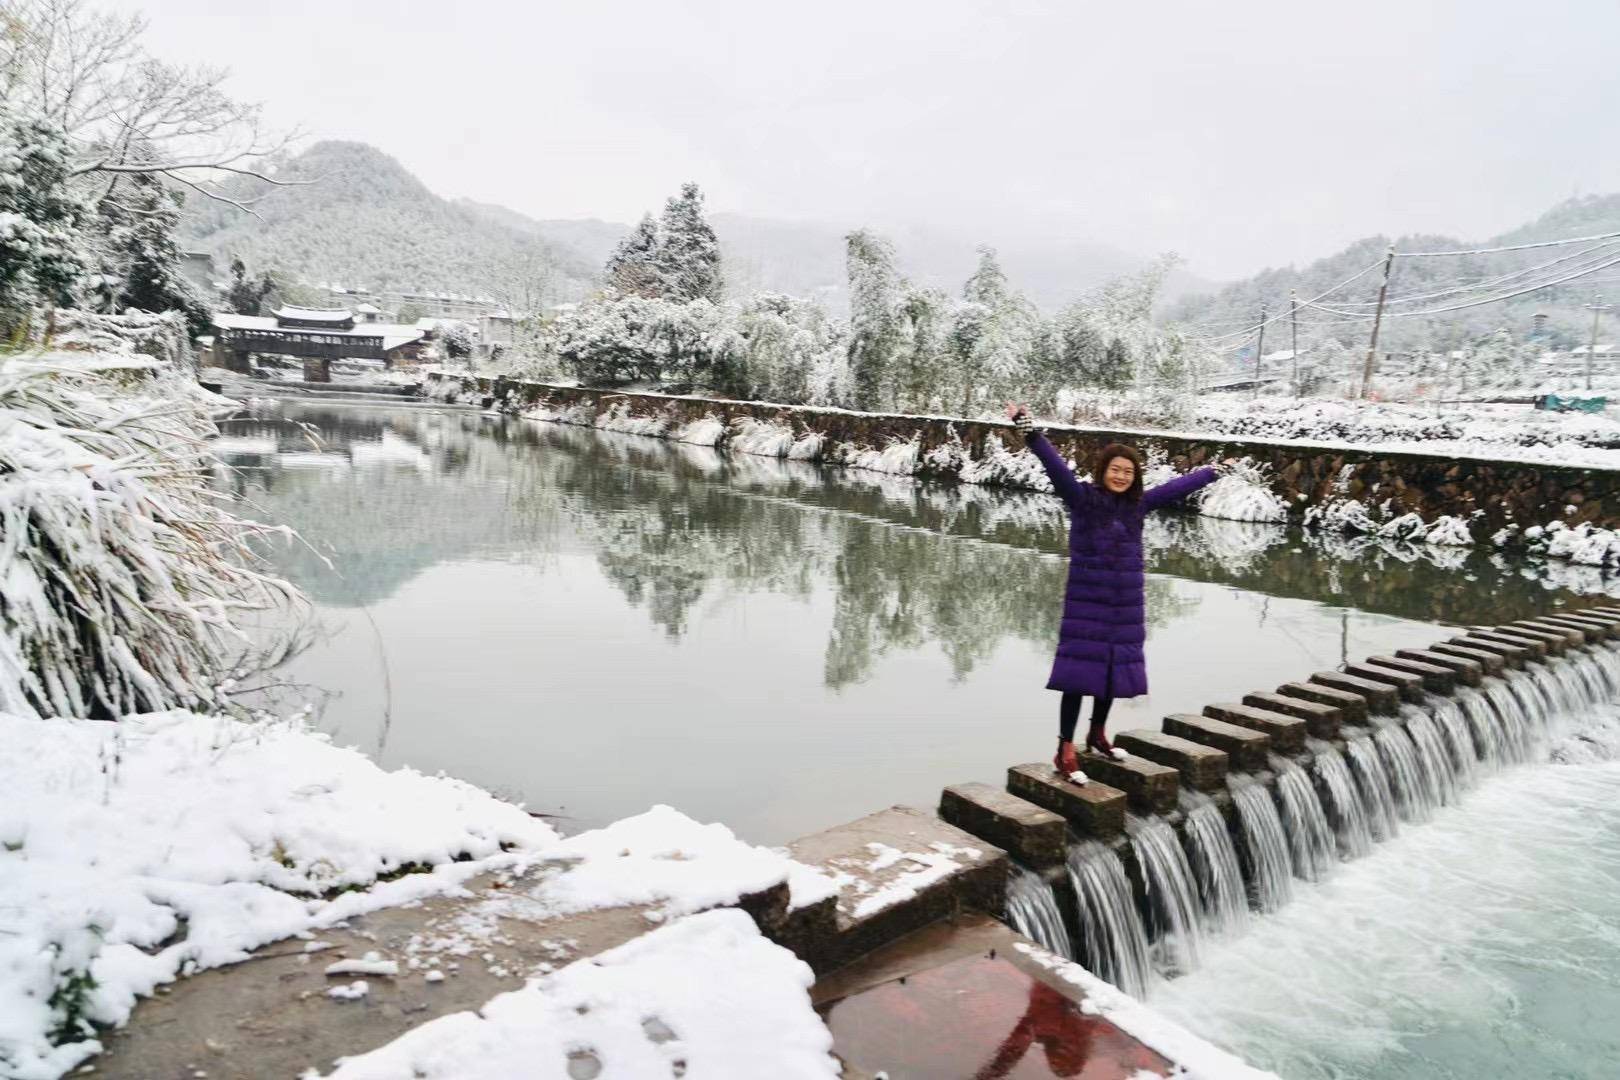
(1099, 649)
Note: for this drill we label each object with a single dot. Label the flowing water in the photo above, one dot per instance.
(1372, 779)
(1342, 801)
(1416, 790)
(1113, 943)
(1214, 863)
(1310, 838)
(1176, 923)
(1268, 866)
(1032, 908)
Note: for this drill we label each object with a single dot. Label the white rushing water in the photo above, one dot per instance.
(1172, 897)
(1113, 943)
(1032, 908)
(1214, 864)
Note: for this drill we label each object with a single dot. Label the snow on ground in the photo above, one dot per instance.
(132, 853)
(633, 1011)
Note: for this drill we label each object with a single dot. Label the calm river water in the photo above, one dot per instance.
(593, 622)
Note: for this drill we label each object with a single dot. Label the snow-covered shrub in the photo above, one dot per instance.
(1005, 467)
(121, 570)
(618, 417)
(705, 432)
(899, 458)
(761, 437)
(162, 337)
(1243, 493)
(1450, 531)
(1581, 544)
(807, 447)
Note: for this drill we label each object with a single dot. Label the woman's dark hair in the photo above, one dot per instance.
(1109, 453)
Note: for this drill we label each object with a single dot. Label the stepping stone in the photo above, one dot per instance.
(1409, 686)
(1437, 678)
(899, 870)
(1201, 767)
(1490, 663)
(1556, 643)
(1093, 809)
(1287, 732)
(1321, 721)
(1469, 672)
(1574, 635)
(1352, 707)
(1598, 629)
(1034, 836)
(1513, 653)
(1150, 787)
(1536, 648)
(1245, 748)
(1381, 697)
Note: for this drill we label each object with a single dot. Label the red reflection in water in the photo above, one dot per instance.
(983, 1018)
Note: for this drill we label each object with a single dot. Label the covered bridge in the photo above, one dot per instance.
(318, 335)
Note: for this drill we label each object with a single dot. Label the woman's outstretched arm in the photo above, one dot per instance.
(1064, 482)
(1173, 491)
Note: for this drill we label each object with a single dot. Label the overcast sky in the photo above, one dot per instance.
(1241, 134)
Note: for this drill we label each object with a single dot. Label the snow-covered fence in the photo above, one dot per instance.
(1481, 495)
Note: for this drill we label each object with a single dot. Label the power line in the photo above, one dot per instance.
(1510, 247)
(1614, 261)
(1490, 283)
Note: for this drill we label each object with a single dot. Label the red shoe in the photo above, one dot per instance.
(1097, 743)
(1066, 761)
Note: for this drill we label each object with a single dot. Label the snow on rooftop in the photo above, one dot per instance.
(314, 314)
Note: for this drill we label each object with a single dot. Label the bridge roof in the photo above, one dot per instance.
(393, 334)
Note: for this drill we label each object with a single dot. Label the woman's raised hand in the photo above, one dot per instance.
(1014, 410)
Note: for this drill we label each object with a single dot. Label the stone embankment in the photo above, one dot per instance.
(1492, 493)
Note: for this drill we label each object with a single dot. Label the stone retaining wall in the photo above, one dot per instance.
(1430, 485)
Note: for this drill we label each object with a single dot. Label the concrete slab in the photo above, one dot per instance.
(1150, 787)
(1437, 678)
(1514, 654)
(1572, 637)
(1352, 707)
(1409, 686)
(1033, 835)
(1551, 644)
(963, 999)
(899, 869)
(1466, 670)
(1492, 663)
(1287, 731)
(1321, 721)
(1093, 809)
(270, 1015)
(1600, 629)
(1381, 697)
(1245, 749)
(1201, 767)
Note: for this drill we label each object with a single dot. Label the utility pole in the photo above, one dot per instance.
(1378, 318)
(1598, 307)
(1293, 319)
(1259, 350)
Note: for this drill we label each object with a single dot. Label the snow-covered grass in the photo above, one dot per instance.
(121, 568)
(750, 436)
(617, 417)
(139, 851)
(1243, 493)
(634, 1011)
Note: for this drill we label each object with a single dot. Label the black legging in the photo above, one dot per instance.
(1069, 714)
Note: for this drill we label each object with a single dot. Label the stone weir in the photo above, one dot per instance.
(1430, 485)
(1255, 794)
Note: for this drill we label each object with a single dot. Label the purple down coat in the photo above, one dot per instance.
(1100, 644)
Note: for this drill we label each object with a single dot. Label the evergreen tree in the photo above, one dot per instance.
(41, 249)
(1006, 332)
(1117, 371)
(632, 268)
(875, 290)
(245, 297)
(150, 254)
(687, 257)
(922, 347)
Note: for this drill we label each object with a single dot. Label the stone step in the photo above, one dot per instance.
(1552, 644)
(1150, 787)
(1409, 686)
(1201, 767)
(1352, 707)
(1033, 835)
(1382, 698)
(1245, 748)
(1468, 671)
(1600, 629)
(1573, 638)
(1514, 654)
(899, 870)
(1092, 809)
(1491, 662)
(1287, 732)
(1321, 721)
(1437, 678)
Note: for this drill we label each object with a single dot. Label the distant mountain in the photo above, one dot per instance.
(362, 220)
(807, 258)
(1427, 282)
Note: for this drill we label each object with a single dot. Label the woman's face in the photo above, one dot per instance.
(1119, 475)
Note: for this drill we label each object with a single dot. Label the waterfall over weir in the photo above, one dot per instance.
(1311, 812)
(1032, 909)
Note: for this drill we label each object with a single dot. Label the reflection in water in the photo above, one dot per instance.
(600, 621)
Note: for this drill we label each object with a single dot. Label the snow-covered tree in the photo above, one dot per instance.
(687, 257)
(1004, 331)
(923, 350)
(42, 255)
(457, 338)
(632, 269)
(774, 345)
(247, 297)
(141, 250)
(875, 292)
